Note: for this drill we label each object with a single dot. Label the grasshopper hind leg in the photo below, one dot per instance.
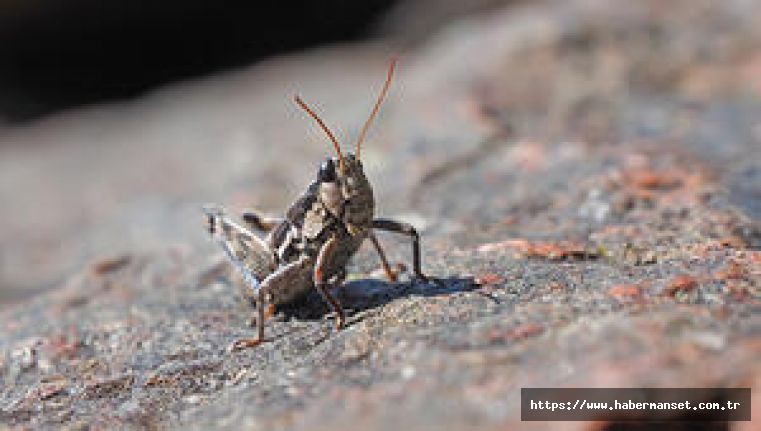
(261, 310)
(279, 287)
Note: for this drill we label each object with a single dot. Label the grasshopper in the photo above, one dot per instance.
(311, 246)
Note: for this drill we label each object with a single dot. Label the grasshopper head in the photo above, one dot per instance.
(347, 178)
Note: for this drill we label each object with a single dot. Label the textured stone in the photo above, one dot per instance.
(583, 171)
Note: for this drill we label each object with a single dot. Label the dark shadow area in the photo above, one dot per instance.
(360, 295)
(60, 54)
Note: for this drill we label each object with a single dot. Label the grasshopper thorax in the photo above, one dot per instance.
(346, 193)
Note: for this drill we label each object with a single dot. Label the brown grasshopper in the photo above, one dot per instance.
(321, 231)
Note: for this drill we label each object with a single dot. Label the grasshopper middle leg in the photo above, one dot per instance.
(321, 280)
(405, 229)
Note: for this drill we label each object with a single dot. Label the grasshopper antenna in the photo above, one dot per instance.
(376, 108)
(319, 121)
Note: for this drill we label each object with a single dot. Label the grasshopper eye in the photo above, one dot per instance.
(327, 172)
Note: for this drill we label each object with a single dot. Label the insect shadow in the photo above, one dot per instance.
(358, 296)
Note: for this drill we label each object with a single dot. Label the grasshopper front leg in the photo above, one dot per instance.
(321, 280)
(405, 229)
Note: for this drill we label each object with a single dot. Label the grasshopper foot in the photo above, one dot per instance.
(340, 320)
(393, 273)
(393, 276)
(245, 343)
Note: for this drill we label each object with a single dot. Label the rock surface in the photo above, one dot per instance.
(586, 178)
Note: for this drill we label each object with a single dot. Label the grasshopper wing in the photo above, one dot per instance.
(247, 252)
(251, 257)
